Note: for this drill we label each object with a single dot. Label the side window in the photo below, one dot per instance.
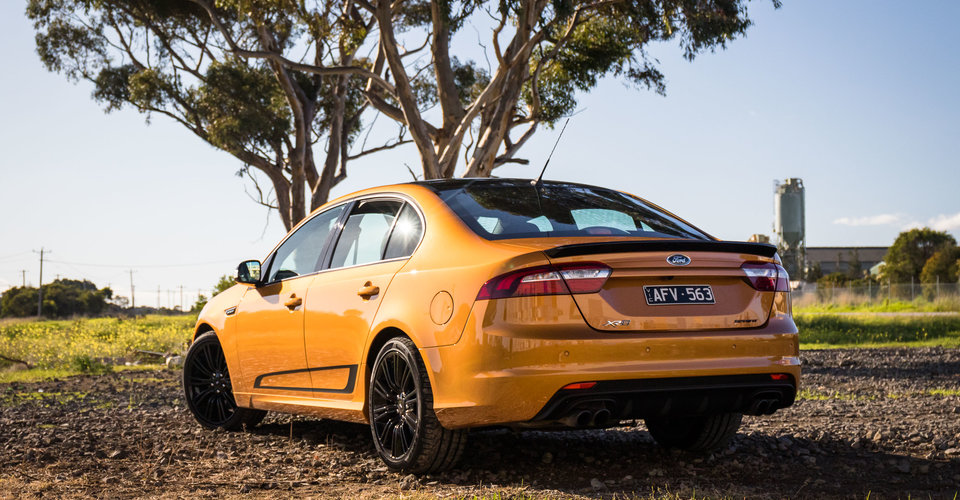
(406, 234)
(364, 235)
(302, 251)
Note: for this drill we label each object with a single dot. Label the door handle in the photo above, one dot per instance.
(293, 301)
(368, 290)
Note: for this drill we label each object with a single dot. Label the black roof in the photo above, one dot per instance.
(437, 185)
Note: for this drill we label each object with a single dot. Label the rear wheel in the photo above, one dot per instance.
(707, 433)
(406, 432)
(207, 388)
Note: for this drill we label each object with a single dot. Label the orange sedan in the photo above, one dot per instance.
(430, 308)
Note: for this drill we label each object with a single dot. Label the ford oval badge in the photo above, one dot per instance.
(678, 259)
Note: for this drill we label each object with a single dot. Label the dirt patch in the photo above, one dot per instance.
(878, 421)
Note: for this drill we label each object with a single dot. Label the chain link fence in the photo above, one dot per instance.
(812, 294)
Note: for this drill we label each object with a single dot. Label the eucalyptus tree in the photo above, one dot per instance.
(266, 79)
(166, 57)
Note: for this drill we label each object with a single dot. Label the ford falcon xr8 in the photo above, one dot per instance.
(426, 309)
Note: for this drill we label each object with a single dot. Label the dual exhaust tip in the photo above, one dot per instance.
(765, 403)
(587, 418)
(764, 406)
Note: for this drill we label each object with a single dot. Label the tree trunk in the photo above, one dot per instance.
(408, 102)
(335, 146)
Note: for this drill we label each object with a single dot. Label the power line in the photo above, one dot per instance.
(13, 255)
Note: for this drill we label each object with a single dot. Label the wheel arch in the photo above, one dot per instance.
(376, 343)
(202, 327)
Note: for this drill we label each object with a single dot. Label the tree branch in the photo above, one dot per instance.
(408, 103)
(379, 148)
(14, 360)
(273, 56)
(513, 147)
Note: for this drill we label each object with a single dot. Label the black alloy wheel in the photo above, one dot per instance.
(405, 430)
(396, 404)
(207, 387)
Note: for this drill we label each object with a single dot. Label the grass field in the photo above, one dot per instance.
(60, 348)
(852, 303)
(818, 331)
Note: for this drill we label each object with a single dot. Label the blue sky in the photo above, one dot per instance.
(858, 98)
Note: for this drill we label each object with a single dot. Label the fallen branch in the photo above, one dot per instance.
(151, 353)
(13, 360)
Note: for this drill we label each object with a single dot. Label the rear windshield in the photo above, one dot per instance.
(512, 209)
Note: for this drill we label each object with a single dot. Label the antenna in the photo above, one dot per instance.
(539, 180)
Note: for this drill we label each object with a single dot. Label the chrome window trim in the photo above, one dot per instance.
(403, 198)
(273, 253)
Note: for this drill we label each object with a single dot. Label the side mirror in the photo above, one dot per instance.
(249, 272)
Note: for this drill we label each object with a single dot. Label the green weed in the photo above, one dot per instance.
(818, 330)
(943, 392)
(856, 303)
(91, 345)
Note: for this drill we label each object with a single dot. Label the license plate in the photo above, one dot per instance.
(678, 294)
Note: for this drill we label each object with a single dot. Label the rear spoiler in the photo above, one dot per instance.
(761, 249)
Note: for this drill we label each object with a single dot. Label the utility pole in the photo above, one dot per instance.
(133, 301)
(24, 273)
(158, 298)
(40, 285)
(181, 298)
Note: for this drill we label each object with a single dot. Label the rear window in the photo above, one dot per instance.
(512, 209)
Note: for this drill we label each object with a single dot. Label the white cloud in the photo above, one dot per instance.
(942, 222)
(870, 220)
(945, 222)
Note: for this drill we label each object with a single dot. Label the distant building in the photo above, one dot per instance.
(837, 259)
(759, 238)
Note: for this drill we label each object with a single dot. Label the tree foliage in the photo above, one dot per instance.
(910, 252)
(941, 267)
(60, 299)
(833, 280)
(265, 80)
(167, 57)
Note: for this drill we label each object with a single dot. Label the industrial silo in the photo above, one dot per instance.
(790, 226)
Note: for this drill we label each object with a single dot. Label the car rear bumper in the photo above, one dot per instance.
(610, 401)
(513, 373)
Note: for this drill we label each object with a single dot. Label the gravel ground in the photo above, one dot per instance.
(877, 422)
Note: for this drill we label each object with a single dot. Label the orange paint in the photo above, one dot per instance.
(494, 361)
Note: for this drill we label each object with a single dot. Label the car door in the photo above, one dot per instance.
(270, 316)
(374, 243)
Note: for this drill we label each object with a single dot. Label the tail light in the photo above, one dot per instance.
(767, 276)
(562, 279)
(578, 385)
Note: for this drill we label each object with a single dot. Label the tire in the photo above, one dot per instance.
(208, 391)
(701, 434)
(406, 433)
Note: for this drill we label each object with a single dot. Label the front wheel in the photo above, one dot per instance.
(207, 388)
(406, 432)
(703, 434)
